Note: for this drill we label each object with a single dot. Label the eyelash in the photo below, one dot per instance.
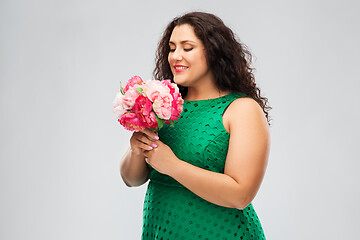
(185, 49)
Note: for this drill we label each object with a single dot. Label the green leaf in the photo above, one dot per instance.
(171, 123)
(122, 89)
(159, 121)
(154, 129)
(139, 90)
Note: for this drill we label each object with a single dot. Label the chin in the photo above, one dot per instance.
(179, 81)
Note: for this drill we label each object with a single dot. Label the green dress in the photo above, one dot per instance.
(171, 211)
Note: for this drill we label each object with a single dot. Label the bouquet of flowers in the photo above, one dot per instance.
(147, 104)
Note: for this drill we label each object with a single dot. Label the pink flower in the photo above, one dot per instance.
(151, 120)
(118, 105)
(159, 94)
(153, 88)
(131, 122)
(143, 111)
(145, 103)
(162, 106)
(177, 106)
(132, 82)
(173, 87)
(129, 98)
(177, 102)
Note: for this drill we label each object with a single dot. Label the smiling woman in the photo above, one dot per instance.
(205, 171)
(187, 58)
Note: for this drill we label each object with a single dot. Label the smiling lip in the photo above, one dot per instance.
(180, 68)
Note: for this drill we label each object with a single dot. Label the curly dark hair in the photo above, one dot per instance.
(228, 58)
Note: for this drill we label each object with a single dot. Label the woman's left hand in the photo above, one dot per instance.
(161, 158)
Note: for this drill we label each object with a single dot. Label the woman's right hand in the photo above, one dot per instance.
(143, 140)
(133, 168)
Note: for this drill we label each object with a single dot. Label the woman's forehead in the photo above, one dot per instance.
(183, 34)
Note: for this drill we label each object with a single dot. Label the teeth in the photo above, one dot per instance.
(180, 67)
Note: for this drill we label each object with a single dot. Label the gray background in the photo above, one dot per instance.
(60, 144)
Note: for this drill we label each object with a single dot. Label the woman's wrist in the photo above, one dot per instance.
(176, 166)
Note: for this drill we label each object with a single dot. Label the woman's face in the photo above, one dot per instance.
(187, 57)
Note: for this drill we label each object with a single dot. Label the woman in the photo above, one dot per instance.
(205, 171)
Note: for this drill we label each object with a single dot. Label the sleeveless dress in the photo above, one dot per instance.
(171, 211)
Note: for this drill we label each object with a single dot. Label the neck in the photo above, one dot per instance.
(204, 89)
(203, 93)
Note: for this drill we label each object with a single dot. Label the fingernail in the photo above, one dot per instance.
(154, 145)
(150, 147)
(156, 137)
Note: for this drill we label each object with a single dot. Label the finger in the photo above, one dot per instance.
(135, 136)
(143, 146)
(146, 140)
(147, 155)
(151, 134)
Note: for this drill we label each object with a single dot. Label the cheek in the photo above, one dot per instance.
(198, 58)
(169, 58)
(203, 62)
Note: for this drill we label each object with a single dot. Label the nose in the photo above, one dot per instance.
(176, 55)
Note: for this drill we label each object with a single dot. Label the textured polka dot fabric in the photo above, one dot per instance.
(171, 211)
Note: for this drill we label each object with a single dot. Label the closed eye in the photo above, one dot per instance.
(185, 49)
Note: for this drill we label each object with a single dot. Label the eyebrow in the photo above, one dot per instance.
(182, 42)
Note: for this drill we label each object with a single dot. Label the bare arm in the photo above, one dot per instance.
(133, 168)
(245, 163)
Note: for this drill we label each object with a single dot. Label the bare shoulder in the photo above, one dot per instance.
(244, 112)
(249, 145)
